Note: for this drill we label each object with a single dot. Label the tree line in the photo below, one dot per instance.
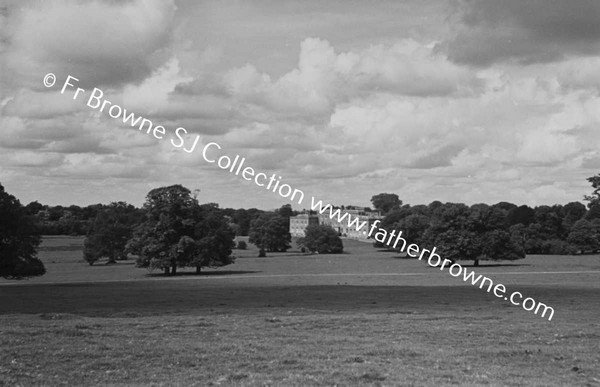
(172, 230)
(76, 221)
(503, 231)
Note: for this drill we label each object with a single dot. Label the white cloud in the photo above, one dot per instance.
(324, 78)
(153, 93)
(345, 118)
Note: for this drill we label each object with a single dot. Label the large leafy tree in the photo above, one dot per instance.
(413, 227)
(550, 220)
(386, 202)
(499, 245)
(594, 199)
(584, 236)
(19, 240)
(270, 232)
(242, 218)
(109, 232)
(286, 211)
(458, 244)
(492, 239)
(178, 232)
(476, 233)
(322, 239)
(215, 239)
(573, 211)
(524, 215)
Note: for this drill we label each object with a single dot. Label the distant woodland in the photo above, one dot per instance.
(558, 229)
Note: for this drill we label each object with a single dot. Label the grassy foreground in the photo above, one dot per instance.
(249, 329)
(185, 334)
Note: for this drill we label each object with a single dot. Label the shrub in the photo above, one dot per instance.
(241, 245)
(322, 239)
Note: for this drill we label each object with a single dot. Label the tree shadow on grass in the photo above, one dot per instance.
(485, 265)
(211, 273)
(105, 263)
(467, 263)
(227, 272)
(300, 254)
(405, 256)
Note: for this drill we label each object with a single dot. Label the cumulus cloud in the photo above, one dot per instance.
(324, 78)
(429, 118)
(524, 31)
(100, 42)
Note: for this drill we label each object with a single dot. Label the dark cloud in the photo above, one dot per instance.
(440, 158)
(100, 43)
(202, 87)
(80, 145)
(591, 162)
(524, 31)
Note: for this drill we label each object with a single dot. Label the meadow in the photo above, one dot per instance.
(366, 317)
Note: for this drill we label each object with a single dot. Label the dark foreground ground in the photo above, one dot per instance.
(281, 321)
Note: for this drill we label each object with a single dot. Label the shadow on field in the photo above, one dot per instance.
(486, 265)
(465, 264)
(59, 248)
(189, 296)
(202, 274)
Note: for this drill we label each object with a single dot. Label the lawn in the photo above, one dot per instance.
(367, 317)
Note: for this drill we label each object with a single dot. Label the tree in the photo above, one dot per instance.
(286, 211)
(584, 236)
(243, 218)
(594, 198)
(457, 244)
(109, 232)
(34, 207)
(215, 239)
(270, 232)
(385, 202)
(499, 245)
(550, 220)
(178, 232)
(19, 240)
(522, 214)
(573, 212)
(480, 232)
(484, 218)
(322, 239)
(505, 206)
(396, 215)
(413, 227)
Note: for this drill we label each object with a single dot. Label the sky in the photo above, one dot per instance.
(457, 101)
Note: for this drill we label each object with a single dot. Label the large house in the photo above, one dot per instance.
(299, 223)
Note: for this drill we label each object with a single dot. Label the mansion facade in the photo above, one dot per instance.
(299, 222)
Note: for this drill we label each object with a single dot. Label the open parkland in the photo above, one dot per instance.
(365, 317)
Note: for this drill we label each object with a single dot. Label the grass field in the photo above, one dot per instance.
(367, 317)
